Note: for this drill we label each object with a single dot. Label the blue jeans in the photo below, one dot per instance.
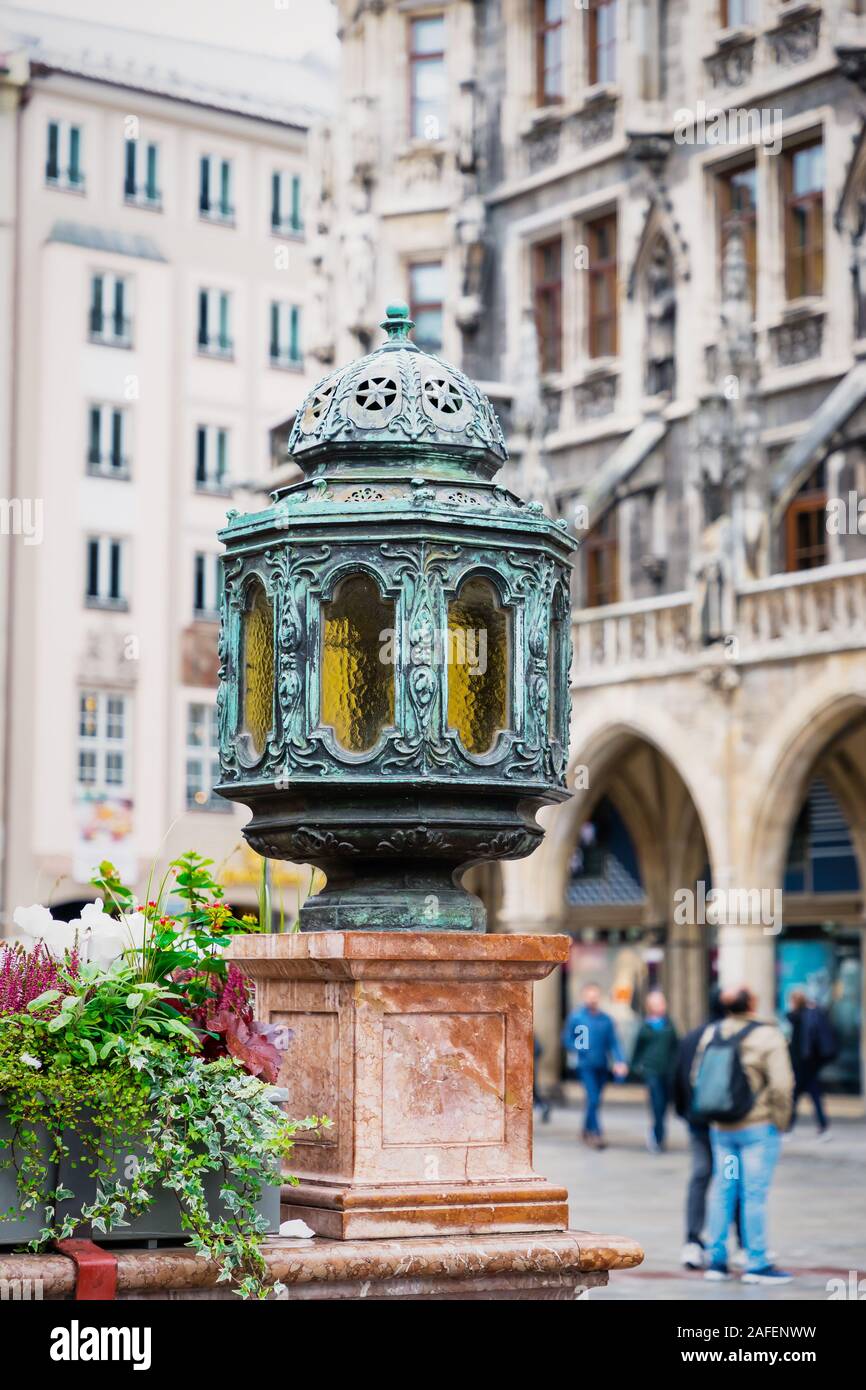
(659, 1089)
(743, 1161)
(593, 1079)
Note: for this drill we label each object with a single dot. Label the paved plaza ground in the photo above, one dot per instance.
(817, 1206)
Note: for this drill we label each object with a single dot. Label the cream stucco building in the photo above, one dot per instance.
(154, 295)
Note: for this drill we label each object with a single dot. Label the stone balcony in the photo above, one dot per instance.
(808, 613)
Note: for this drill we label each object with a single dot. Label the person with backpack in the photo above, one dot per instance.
(700, 1146)
(591, 1035)
(742, 1086)
(654, 1060)
(813, 1044)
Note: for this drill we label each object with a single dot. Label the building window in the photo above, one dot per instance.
(738, 208)
(141, 174)
(211, 458)
(104, 587)
(602, 326)
(548, 52)
(736, 14)
(63, 166)
(203, 760)
(215, 189)
(427, 77)
(803, 179)
(207, 586)
(106, 447)
(285, 335)
(601, 46)
(286, 218)
(547, 299)
(110, 320)
(426, 297)
(214, 323)
(806, 524)
(601, 549)
(103, 742)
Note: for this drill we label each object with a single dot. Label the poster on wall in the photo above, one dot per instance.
(103, 826)
(829, 972)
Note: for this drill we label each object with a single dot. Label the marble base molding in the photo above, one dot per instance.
(562, 1266)
(419, 1047)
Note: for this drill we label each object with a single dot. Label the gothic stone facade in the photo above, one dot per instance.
(662, 204)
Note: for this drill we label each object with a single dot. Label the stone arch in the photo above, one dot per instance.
(815, 724)
(601, 750)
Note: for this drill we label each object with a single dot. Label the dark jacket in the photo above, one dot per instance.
(596, 1044)
(655, 1049)
(813, 1041)
(683, 1072)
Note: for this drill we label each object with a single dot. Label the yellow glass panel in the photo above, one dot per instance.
(478, 666)
(357, 672)
(258, 668)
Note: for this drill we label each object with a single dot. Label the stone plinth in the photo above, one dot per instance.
(418, 1046)
(559, 1266)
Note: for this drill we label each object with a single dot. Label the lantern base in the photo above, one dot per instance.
(392, 855)
(417, 895)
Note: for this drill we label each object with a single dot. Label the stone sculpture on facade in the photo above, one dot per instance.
(661, 316)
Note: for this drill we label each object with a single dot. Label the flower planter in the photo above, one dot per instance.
(26, 1225)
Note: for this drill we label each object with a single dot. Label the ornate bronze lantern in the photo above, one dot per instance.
(394, 649)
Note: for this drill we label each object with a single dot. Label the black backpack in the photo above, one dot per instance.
(722, 1094)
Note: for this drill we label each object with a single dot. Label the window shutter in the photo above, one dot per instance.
(93, 569)
(52, 163)
(152, 185)
(201, 455)
(204, 184)
(115, 590)
(275, 330)
(74, 154)
(226, 188)
(296, 202)
(96, 305)
(94, 450)
(275, 201)
(225, 340)
(202, 318)
(294, 333)
(129, 180)
(117, 439)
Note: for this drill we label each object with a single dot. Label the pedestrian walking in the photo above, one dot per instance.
(813, 1044)
(591, 1035)
(743, 1086)
(700, 1147)
(654, 1061)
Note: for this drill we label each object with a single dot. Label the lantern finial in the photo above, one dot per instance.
(397, 322)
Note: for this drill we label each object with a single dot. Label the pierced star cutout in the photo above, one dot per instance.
(443, 395)
(376, 393)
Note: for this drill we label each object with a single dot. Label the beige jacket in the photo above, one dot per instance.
(767, 1064)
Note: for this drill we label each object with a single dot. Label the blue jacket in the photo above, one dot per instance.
(597, 1044)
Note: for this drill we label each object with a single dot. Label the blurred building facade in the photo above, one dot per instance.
(641, 226)
(155, 275)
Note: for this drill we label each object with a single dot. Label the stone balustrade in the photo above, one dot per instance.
(802, 614)
(786, 615)
(632, 641)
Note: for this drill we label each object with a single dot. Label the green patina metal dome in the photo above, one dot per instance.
(394, 649)
(398, 394)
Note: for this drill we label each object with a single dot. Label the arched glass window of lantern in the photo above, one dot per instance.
(357, 682)
(257, 670)
(557, 657)
(479, 665)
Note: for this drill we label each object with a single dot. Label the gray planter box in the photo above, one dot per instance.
(162, 1221)
(25, 1226)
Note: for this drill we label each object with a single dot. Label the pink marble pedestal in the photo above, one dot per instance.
(419, 1048)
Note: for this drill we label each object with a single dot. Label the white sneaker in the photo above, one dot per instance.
(824, 1137)
(739, 1259)
(693, 1256)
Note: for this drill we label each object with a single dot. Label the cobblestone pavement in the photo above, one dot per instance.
(817, 1204)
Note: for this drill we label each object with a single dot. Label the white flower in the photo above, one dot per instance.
(57, 937)
(102, 937)
(31, 1061)
(33, 920)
